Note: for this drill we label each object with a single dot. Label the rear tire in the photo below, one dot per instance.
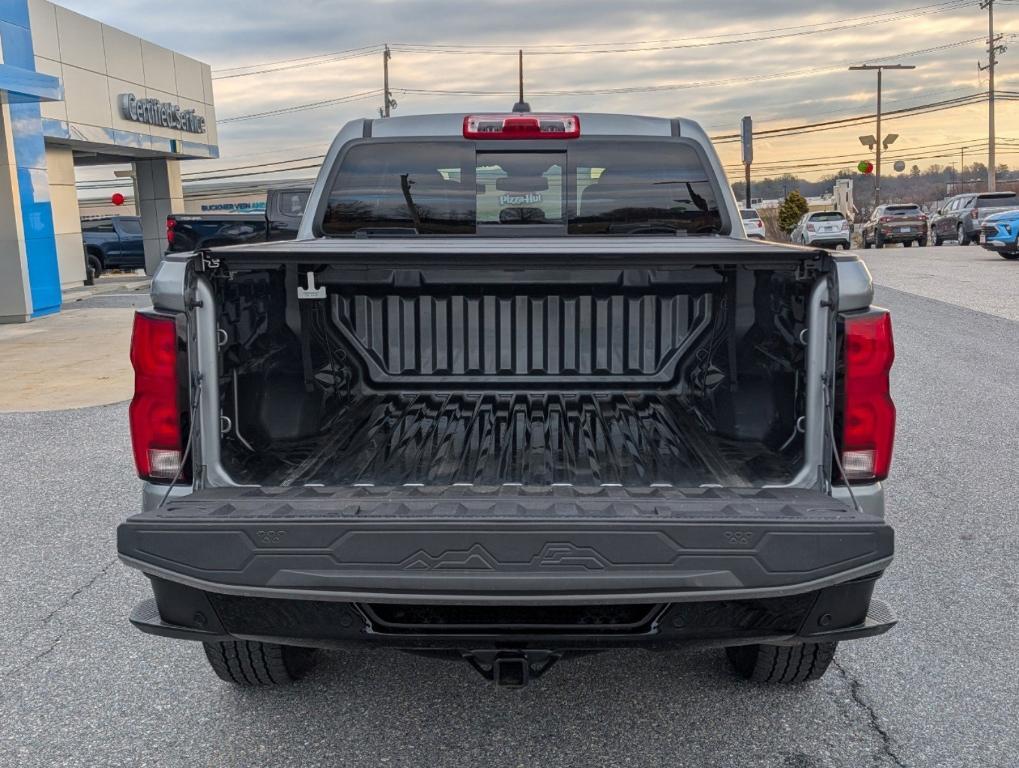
(922, 243)
(782, 663)
(250, 663)
(908, 244)
(879, 242)
(1009, 256)
(94, 265)
(960, 236)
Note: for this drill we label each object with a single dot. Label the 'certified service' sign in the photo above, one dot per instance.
(163, 113)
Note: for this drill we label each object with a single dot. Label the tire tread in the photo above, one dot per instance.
(780, 663)
(250, 663)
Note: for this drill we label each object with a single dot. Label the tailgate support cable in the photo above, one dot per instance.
(195, 401)
(830, 426)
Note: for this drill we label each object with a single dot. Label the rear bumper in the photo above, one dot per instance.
(903, 237)
(309, 563)
(830, 242)
(842, 612)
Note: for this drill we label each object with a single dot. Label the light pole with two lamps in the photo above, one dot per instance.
(877, 141)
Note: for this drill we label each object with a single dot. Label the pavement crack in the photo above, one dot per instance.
(78, 590)
(45, 621)
(856, 691)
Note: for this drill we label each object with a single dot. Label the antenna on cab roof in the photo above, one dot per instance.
(521, 105)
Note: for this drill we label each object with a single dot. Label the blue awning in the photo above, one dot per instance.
(33, 85)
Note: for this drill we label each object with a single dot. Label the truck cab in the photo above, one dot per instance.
(112, 242)
(521, 389)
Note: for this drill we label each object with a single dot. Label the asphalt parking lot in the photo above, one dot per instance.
(80, 687)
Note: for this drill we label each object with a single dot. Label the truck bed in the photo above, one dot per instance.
(498, 438)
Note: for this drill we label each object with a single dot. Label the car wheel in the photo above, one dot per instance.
(252, 664)
(94, 267)
(781, 663)
(960, 236)
(908, 244)
(1009, 256)
(922, 242)
(879, 242)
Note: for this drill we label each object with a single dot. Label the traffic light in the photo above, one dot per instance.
(865, 166)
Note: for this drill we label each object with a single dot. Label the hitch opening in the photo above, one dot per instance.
(511, 669)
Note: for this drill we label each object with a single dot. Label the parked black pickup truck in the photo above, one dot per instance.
(521, 389)
(282, 216)
(112, 242)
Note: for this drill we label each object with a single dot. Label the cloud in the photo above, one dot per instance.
(232, 34)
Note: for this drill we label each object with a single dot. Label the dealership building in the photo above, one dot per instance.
(75, 92)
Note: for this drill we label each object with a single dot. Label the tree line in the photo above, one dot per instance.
(924, 187)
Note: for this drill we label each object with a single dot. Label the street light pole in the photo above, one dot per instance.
(880, 139)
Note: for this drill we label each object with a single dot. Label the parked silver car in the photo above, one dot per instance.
(753, 223)
(826, 229)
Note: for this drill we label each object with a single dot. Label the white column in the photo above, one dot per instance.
(159, 194)
(66, 216)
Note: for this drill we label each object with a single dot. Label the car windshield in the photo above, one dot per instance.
(590, 187)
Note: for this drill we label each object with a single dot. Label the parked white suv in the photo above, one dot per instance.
(753, 223)
(826, 229)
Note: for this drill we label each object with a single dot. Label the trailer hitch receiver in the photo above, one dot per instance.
(511, 668)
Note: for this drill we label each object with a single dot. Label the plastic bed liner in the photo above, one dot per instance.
(506, 543)
(540, 439)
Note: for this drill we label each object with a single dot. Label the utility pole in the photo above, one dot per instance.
(521, 105)
(993, 48)
(387, 95)
(880, 139)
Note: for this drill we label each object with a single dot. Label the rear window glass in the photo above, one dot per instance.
(749, 214)
(902, 210)
(827, 216)
(1000, 198)
(292, 203)
(588, 188)
(105, 225)
(641, 188)
(520, 187)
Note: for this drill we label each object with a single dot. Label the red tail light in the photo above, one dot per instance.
(811, 228)
(868, 413)
(170, 224)
(886, 219)
(521, 125)
(156, 419)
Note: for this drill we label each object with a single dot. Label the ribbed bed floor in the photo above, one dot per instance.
(499, 438)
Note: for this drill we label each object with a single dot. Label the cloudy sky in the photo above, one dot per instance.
(784, 62)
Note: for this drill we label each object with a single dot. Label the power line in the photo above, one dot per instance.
(303, 107)
(828, 125)
(304, 61)
(256, 165)
(687, 85)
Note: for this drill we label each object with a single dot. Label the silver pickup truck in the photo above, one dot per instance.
(521, 389)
